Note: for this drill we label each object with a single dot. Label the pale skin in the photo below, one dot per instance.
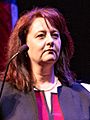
(44, 48)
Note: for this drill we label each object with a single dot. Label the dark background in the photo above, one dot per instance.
(77, 14)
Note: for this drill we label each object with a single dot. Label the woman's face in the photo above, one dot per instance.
(44, 42)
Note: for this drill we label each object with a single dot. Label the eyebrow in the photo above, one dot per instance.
(40, 31)
(45, 31)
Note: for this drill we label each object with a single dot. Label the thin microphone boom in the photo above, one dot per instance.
(23, 48)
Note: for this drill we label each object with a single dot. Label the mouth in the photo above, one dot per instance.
(51, 51)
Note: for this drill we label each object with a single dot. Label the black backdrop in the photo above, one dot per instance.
(77, 14)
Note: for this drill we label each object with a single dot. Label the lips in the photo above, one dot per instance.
(49, 50)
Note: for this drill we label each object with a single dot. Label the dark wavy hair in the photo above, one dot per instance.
(20, 72)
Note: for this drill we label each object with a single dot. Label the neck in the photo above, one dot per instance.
(43, 75)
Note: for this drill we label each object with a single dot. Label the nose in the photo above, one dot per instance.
(50, 41)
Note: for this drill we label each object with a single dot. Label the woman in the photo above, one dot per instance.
(40, 84)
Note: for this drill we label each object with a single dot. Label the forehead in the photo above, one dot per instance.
(40, 24)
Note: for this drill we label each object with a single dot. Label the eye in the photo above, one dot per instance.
(41, 36)
(55, 35)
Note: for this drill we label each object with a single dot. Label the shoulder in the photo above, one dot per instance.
(75, 99)
(10, 90)
(82, 91)
(76, 90)
(10, 93)
(77, 87)
(7, 88)
(86, 86)
(15, 100)
(80, 88)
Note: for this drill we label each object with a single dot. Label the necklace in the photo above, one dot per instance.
(49, 89)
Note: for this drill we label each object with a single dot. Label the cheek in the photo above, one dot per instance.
(34, 50)
(31, 48)
(58, 46)
(29, 52)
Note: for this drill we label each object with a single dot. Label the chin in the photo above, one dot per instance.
(50, 61)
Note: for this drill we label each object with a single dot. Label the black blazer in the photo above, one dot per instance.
(17, 105)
